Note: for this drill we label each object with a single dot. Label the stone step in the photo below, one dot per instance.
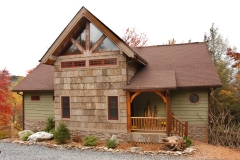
(146, 137)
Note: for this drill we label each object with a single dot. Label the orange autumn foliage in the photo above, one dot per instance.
(133, 39)
(5, 96)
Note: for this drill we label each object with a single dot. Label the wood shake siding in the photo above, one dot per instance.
(184, 110)
(38, 110)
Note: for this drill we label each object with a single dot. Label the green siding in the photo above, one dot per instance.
(184, 110)
(140, 102)
(39, 110)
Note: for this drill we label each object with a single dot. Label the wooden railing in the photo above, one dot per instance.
(179, 127)
(148, 124)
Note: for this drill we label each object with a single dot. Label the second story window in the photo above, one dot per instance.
(73, 64)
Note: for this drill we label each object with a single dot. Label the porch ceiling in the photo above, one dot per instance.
(152, 80)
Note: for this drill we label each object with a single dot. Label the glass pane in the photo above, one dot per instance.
(72, 50)
(66, 112)
(106, 45)
(112, 100)
(65, 101)
(81, 39)
(113, 113)
(95, 34)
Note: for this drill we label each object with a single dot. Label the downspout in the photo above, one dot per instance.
(127, 69)
(23, 119)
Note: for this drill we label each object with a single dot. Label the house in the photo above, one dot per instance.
(102, 86)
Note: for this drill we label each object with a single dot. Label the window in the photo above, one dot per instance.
(65, 107)
(107, 45)
(73, 64)
(194, 98)
(88, 37)
(35, 98)
(113, 107)
(102, 62)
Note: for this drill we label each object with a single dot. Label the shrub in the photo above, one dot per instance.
(62, 133)
(52, 131)
(90, 141)
(188, 141)
(50, 124)
(77, 138)
(26, 135)
(111, 143)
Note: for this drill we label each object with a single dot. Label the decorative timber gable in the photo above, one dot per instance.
(86, 34)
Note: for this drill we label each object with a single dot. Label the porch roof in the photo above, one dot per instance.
(173, 66)
(153, 79)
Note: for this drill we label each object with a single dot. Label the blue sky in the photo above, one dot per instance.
(28, 28)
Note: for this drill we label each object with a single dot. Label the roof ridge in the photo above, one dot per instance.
(170, 44)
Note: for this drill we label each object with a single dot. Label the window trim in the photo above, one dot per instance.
(108, 108)
(73, 64)
(66, 118)
(34, 96)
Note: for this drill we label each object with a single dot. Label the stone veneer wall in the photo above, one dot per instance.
(198, 132)
(124, 137)
(33, 125)
(88, 88)
(132, 68)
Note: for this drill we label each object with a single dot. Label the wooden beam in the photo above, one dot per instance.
(79, 47)
(99, 41)
(54, 58)
(161, 95)
(168, 110)
(129, 123)
(133, 96)
(87, 32)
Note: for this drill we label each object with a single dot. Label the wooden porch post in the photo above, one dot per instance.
(128, 113)
(168, 113)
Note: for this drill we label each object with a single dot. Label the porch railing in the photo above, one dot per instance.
(179, 127)
(148, 124)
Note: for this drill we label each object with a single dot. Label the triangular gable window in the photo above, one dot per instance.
(106, 45)
(88, 38)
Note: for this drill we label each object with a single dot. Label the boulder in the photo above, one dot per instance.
(40, 136)
(22, 133)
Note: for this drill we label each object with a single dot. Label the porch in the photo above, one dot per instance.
(141, 127)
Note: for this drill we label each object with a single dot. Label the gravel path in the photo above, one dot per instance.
(11, 151)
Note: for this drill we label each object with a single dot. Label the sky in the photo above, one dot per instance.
(29, 27)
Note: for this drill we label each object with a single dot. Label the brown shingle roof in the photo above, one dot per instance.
(41, 79)
(191, 63)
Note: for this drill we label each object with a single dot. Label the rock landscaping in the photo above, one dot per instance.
(102, 148)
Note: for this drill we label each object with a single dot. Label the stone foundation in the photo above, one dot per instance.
(198, 132)
(101, 135)
(146, 137)
(34, 125)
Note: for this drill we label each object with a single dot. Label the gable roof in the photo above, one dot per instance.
(190, 64)
(50, 56)
(41, 79)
